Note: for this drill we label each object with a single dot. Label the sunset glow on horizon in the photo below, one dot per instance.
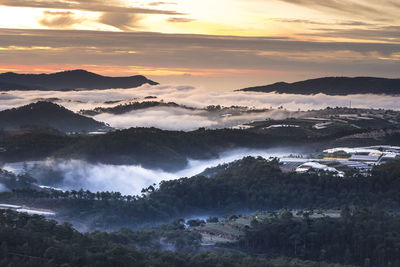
(227, 41)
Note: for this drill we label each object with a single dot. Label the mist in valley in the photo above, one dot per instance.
(280, 106)
(3, 188)
(175, 118)
(195, 97)
(127, 179)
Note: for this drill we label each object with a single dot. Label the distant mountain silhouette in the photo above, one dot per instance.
(68, 80)
(334, 86)
(47, 114)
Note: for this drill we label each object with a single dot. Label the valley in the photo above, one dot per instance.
(212, 180)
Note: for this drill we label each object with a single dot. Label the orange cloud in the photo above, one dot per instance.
(29, 48)
(113, 70)
(59, 19)
(179, 20)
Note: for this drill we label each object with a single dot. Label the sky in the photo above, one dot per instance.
(224, 44)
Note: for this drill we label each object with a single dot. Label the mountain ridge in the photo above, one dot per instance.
(68, 80)
(333, 86)
(47, 114)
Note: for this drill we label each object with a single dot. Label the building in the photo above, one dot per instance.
(373, 159)
(311, 165)
(289, 166)
(359, 166)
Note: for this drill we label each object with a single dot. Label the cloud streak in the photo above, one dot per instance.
(122, 21)
(59, 19)
(379, 10)
(204, 54)
(95, 6)
(179, 20)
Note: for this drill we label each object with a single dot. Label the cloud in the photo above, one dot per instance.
(161, 3)
(380, 10)
(173, 118)
(382, 33)
(164, 118)
(122, 21)
(59, 19)
(196, 51)
(95, 6)
(5, 96)
(179, 119)
(197, 97)
(324, 22)
(179, 20)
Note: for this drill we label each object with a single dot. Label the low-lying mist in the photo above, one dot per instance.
(174, 118)
(127, 179)
(3, 188)
(196, 97)
(165, 118)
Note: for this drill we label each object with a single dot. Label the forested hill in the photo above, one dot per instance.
(333, 86)
(68, 80)
(125, 108)
(170, 150)
(149, 147)
(47, 114)
(35, 241)
(248, 185)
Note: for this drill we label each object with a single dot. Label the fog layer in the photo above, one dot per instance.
(3, 188)
(173, 118)
(197, 97)
(127, 179)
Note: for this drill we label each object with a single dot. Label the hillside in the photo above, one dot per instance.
(170, 150)
(125, 108)
(364, 222)
(68, 80)
(149, 147)
(333, 86)
(246, 185)
(46, 114)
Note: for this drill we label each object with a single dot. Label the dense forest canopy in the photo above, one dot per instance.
(244, 186)
(170, 150)
(359, 237)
